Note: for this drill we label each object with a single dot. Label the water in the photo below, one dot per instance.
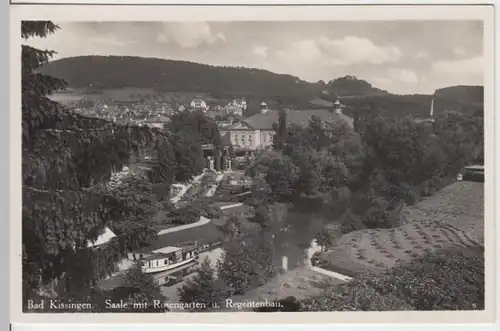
(294, 240)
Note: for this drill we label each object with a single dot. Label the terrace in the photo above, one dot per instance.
(452, 218)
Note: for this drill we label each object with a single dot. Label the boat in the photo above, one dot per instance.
(166, 258)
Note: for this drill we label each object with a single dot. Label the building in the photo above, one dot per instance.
(198, 104)
(156, 122)
(258, 131)
(240, 103)
(232, 110)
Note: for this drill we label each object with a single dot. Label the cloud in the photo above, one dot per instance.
(162, 38)
(459, 51)
(468, 66)
(111, 41)
(422, 55)
(404, 75)
(189, 34)
(260, 51)
(304, 52)
(354, 50)
(337, 52)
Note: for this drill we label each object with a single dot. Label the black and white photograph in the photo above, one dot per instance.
(206, 166)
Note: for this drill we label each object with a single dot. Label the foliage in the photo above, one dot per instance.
(281, 130)
(188, 155)
(232, 228)
(247, 264)
(196, 124)
(67, 161)
(351, 222)
(270, 215)
(206, 208)
(446, 280)
(354, 298)
(148, 290)
(185, 214)
(325, 239)
(204, 288)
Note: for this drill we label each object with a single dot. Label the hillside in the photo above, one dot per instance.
(94, 74)
(350, 86)
(107, 72)
(466, 99)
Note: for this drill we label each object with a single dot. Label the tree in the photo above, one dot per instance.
(204, 288)
(324, 239)
(188, 155)
(146, 290)
(232, 228)
(247, 264)
(270, 215)
(281, 130)
(446, 280)
(67, 161)
(196, 124)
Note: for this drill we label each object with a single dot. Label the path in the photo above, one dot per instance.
(214, 187)
(203, 220)
(186, 188)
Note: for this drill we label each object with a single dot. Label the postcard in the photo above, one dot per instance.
(208, 164)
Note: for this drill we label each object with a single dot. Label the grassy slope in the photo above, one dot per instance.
(454, 217)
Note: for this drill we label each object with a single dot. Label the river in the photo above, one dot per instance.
(293, 241)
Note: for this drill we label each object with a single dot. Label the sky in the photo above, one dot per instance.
(403, 57)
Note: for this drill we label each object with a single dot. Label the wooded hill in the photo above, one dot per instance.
(111, 72)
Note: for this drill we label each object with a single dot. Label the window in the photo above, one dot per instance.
(166, 261)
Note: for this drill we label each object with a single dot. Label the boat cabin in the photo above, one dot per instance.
(165, 258)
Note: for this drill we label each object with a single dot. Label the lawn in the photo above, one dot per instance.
(204, 234)
(300, 283)
(451, 218)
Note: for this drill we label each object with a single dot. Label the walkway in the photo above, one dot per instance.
(314, 248)
(214, 187)
(186, 188)
(202, 221)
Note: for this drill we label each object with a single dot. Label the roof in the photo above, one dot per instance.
(103, 238)
(158, 119)
(203, 234)
(265, 121)
(233, 108)
(475, 167)
(167, 250)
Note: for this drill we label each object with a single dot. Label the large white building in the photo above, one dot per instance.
(258, 131)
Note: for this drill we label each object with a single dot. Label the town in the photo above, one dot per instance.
(283, 198)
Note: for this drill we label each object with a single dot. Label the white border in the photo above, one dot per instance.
(307, 13)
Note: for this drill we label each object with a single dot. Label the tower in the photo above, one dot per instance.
(432, 108)
(337, 106)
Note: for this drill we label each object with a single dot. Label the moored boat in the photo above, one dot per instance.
(166, 258)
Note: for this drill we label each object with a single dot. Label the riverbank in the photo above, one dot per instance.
(301, 283)
(452, 218)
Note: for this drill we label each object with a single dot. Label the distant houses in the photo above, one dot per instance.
(199, 104)
(157, 121)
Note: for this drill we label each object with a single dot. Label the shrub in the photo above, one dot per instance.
(351, 222)
(448, 280)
